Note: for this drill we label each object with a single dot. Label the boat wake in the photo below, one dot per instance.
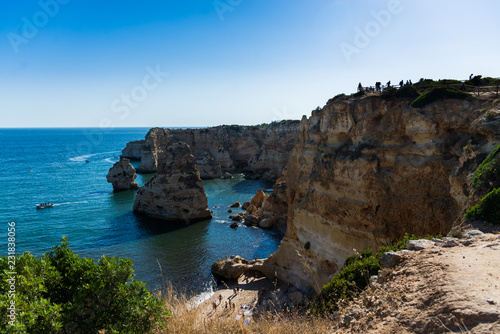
(111, 160)
(85, 157)
(70, 203)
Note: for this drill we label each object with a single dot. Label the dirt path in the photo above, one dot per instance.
(450, 286)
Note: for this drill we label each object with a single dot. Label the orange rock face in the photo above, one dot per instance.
(364, 172)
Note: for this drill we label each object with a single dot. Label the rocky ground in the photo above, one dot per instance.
(447, 286)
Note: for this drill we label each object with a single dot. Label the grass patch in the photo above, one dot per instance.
(438, 94)
(487, 209)
(488, 173)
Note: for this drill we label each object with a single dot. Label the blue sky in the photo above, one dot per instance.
(75, 63)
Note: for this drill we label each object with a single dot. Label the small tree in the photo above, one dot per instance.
(64, 293)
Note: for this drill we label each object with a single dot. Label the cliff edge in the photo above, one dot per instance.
(364, 171)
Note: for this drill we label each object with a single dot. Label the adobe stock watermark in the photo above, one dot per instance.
(11, 274)
(223, 6)
(121, 107)
(372, 29)
(31, 26)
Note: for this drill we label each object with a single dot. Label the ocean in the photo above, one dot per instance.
(49, 165)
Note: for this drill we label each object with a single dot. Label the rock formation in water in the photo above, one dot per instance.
(365, 171)
(176, 192)
(259, 151)
(122, 175)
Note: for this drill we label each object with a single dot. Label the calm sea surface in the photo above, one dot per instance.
(49, 165)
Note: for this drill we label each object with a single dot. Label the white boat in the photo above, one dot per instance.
(44, 205)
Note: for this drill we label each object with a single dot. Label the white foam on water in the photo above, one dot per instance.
(70, 203)
(198, 299)
(86, 156)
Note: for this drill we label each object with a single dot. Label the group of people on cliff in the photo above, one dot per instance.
(378, 86)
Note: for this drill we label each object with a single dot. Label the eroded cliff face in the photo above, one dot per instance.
(260, 151)
(157, 140)
(365, 171)
(132, 150)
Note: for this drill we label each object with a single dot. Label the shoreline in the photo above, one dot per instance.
(257, 296)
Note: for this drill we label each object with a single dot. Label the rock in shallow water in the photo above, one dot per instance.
(176, 192)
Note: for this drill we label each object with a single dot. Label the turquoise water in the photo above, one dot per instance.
(49, 165)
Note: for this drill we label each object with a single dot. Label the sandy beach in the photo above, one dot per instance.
(257, 295)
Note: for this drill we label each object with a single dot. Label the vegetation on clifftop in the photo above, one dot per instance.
(354, 277)
(440, 93)
(64, 293)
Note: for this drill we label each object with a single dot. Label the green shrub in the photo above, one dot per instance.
(408, 91)
(63, 293)
(355, 276)
(359, 94)
(341, 96)
(488, 173)
(351, 280)
(487, 209)
(440, 93)
(478, 80)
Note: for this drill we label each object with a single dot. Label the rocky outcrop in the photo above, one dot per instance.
(260, 151)
(175, 193)
(208, 167)
(235, 266)
(132, 150)
(274, 208)
(364, 172)
(157, 140)
(122, 175)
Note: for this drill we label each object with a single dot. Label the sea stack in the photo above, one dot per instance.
(176, 192)
(122, 175)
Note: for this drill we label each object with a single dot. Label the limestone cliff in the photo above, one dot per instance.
(122, 175)
(208, 167)
(176, 192)
(365, 171)
(132, 150)
(260, 151)
(157, 140)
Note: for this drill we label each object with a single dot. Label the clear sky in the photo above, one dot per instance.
(89, 63)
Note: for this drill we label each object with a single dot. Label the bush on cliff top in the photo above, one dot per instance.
(487, 175)
(63, 293)
(355, 276)
(440, 93)
(487, 209)
(408, 91)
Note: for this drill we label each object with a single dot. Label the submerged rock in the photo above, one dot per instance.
(227, 175)
(122, 175)
(176, 192)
